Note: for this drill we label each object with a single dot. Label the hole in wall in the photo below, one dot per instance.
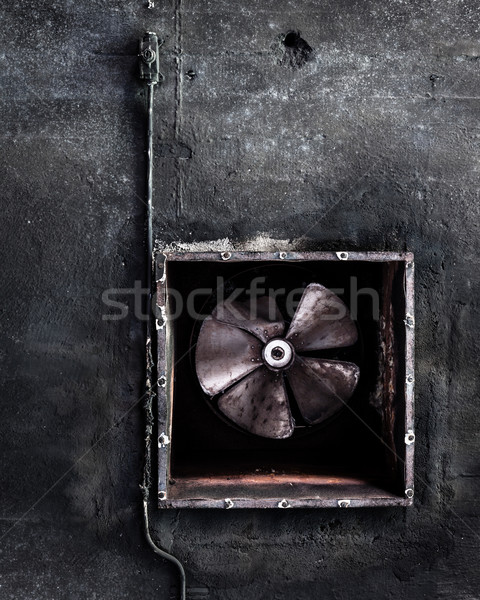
(291, 40)
(296, 50)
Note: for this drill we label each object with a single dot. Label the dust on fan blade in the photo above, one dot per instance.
(321, 321)
(259, 404)
(321, 387)
(259, 316)
(224, 355)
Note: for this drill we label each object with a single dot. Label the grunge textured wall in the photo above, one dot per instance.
(361, 131)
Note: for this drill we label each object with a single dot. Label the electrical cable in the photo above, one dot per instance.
(150, 72)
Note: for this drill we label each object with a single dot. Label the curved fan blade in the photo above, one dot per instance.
(259, 404)
(259, 316)
(321, 321)
(321, 387)
(224, 355)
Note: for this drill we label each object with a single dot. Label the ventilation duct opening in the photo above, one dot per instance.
(287, 377)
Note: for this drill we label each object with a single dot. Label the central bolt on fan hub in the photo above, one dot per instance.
(278, 353)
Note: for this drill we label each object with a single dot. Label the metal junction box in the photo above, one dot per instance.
(240, 424)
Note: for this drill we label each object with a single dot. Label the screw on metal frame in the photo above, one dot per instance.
(226, 255)
(163, 440)
(342, 255)
(409, 437)
(282, 255)
(409, 493)
(228, 503)
(284, 504)
(344, 503)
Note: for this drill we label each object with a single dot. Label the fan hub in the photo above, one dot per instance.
(278, 354)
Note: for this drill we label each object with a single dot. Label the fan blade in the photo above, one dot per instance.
(259, 316)
(321, 321)
(259, 404)
(224, 355)
(321, 387)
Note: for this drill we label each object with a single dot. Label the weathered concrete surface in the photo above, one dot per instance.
(373, 143)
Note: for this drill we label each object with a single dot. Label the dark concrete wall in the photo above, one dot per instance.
(372, 143)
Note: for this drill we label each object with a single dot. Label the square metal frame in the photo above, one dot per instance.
(165, 370)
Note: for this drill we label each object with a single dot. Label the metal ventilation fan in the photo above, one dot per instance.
(243, 355)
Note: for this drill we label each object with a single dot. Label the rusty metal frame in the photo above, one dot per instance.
(327, 495)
